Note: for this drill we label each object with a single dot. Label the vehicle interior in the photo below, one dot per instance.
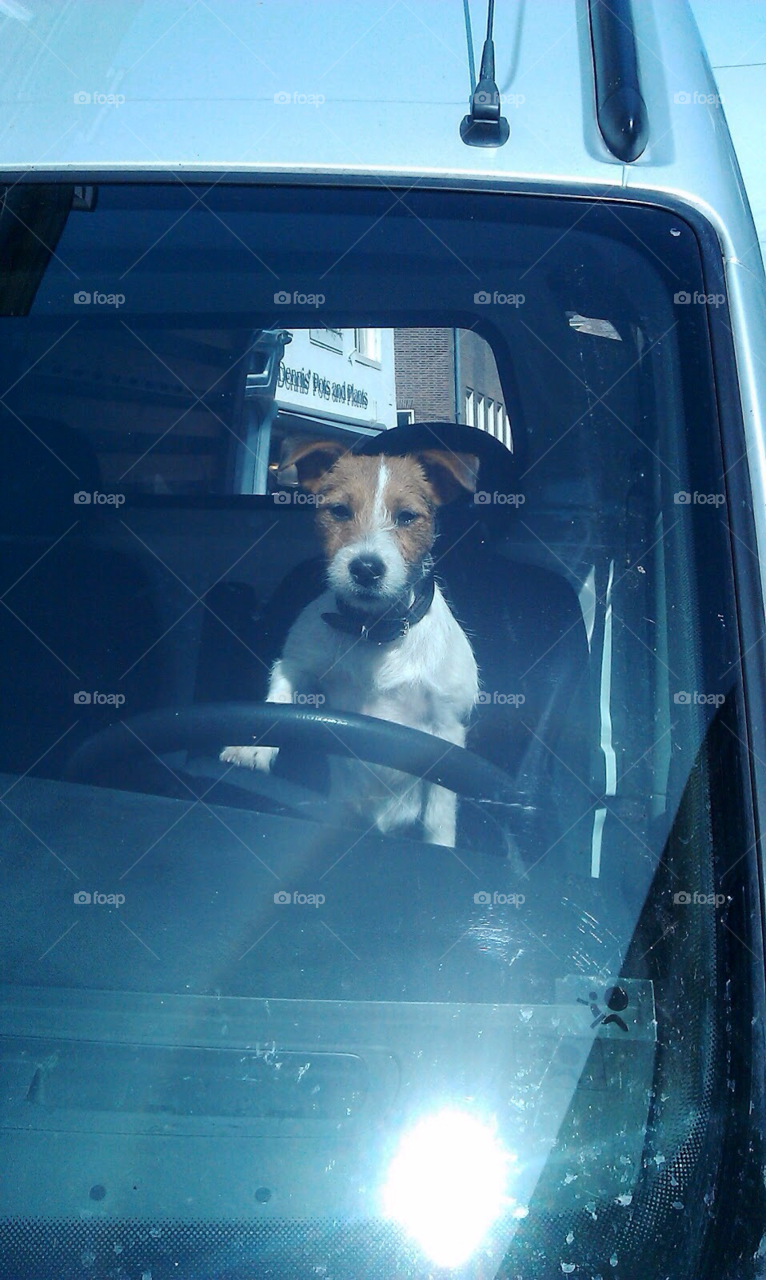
(215, 1080)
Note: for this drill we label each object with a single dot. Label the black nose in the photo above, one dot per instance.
(367, 570)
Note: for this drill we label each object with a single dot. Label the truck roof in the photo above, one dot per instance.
(293, 86)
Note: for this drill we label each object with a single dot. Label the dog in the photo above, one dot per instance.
(381, 640)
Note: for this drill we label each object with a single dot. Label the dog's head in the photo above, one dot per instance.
(376, 515)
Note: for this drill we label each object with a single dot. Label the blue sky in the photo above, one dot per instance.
(735, 34)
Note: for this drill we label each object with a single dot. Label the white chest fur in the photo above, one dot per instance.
(427, 680)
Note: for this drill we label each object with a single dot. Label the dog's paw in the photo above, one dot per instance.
(444, 838)
(252, 757)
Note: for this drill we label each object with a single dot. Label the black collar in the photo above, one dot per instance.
(387, 628)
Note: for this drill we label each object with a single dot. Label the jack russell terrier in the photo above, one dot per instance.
(381, 641)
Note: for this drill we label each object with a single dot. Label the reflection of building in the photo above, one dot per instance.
(449, 375)
(336, 383)
(342, 378)
(425, 375)
(331, 382)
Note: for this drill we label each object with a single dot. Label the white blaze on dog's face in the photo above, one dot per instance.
(376, 515)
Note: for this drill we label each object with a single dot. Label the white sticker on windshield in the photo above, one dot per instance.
(587, 324)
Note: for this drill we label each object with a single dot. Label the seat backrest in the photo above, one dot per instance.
(44, 464)
(529, 640)
(74, 614)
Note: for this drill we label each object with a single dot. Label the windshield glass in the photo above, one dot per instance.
(370, 721)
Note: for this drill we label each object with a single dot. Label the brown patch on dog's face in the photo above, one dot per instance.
(362, 497)
(379, 511)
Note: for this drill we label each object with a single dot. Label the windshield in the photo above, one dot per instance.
(370, 735)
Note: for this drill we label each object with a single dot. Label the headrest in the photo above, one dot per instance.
(498, 468)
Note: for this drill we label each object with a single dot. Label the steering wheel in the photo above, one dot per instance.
(107, 756)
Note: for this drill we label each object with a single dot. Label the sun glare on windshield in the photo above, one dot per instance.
(447, 1184)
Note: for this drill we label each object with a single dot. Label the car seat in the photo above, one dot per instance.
(74, 612)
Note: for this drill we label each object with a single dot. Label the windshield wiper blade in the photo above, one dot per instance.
(620, 107)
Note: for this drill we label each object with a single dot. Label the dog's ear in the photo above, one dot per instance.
(307, 463)
(449, 473)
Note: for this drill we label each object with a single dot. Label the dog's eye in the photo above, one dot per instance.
(340, 512)
(406, 517)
